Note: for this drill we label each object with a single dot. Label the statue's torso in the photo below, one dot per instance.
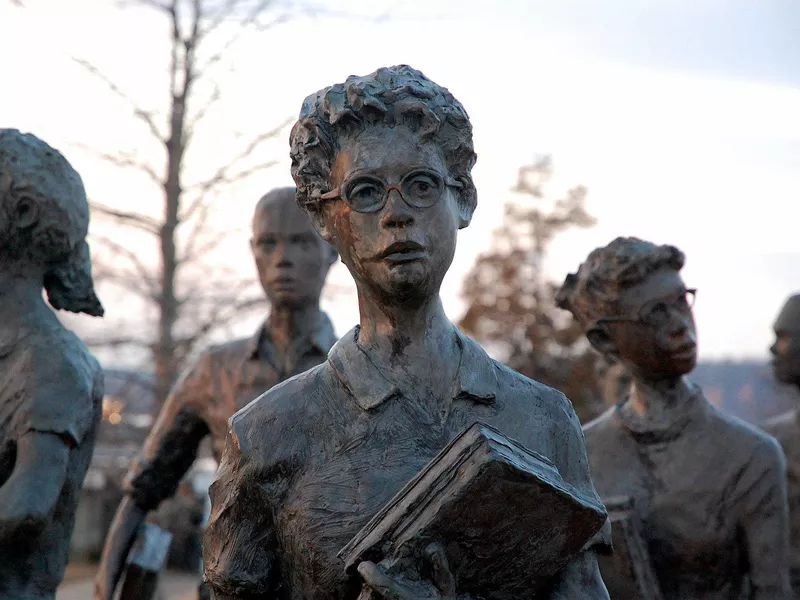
(690, 488)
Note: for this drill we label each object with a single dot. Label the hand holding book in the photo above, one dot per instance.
(506, 518)
(380, 584)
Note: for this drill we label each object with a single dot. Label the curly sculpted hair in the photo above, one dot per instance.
(592, 293)
(32, 170)
(398, 95)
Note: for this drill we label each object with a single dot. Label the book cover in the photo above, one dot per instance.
(506, 518)
(628, 571)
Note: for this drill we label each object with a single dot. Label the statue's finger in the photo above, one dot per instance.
(379, 581)
(442, 575)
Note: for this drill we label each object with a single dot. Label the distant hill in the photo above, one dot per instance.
(745, 389)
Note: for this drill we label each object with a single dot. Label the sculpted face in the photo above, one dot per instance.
(657, 339)
(786, 349)
(398, 252)
(292, 260)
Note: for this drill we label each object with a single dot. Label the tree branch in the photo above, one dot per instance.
(123, 159)
(116, 342)
(141, 114)
(132, 219)
(216, 95)
(143, 273)
(222, 176)
(243, 25)
(220, 17)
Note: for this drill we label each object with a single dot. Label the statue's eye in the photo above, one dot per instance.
(421, 189)
(365, 193)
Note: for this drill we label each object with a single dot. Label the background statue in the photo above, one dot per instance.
(292, 262)
(615, 382)
(51, 388)
(786, 427)
(708, 489)
(382, 165)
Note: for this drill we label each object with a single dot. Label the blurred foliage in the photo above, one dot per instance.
(511, 305)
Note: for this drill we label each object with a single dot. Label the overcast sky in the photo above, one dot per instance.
(682, 118)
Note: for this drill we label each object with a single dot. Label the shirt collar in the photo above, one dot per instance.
(369, 389)
(320, 337)
(688, 409)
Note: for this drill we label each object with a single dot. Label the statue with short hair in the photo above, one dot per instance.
(708, 489)
(786, 427)
(292, 263)
(51, 391)
(383, 167)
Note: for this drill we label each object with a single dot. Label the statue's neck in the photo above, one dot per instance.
(19, 296)
(417, 337)
(647, 395)
(288, 323)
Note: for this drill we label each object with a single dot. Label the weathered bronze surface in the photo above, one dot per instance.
(292, 262)
(382, 165)
(786, 427)
(708, 489)
(51, 388)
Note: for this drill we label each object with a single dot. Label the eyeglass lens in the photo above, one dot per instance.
(421, 189)
(658, 313)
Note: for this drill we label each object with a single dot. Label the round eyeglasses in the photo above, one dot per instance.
(420, 188)
(657, 312)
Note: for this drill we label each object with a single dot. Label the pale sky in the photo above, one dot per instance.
(682, 119)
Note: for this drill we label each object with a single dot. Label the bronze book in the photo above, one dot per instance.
(504, 515)
(628, 572)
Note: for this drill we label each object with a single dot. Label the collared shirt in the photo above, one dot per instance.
(310, 462)
(786, 429)
(710, 493)
(224, 379)
(49, 383)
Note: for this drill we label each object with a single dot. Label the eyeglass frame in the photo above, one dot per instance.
(338, 192)
(652, 304)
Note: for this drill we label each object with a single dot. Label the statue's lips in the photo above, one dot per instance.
(284, 282)
(685, 350)
(400, 252)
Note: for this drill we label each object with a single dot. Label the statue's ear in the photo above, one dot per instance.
(467, 201)
(320, 224)
(26, 213)
(600, 339)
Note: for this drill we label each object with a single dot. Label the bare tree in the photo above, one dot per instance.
(510, 302)
(188, 297)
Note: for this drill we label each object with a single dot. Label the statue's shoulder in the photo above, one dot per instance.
(55, 351)
(783, 426)
(287, 409)
(237, 348)
(519, 393)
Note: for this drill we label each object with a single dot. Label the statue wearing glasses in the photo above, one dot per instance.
(382, 165)
(708, 490)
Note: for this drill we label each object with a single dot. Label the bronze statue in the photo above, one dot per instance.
(708, 489)
(292, 263)
(382, 165)
(52, 388)
(786, 427)
(615, 382)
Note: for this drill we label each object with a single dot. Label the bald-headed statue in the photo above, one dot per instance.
(786, 427)
(292, 262)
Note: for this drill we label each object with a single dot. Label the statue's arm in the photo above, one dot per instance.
(579, 580)
(168, 453)
(239, 543)
(29, 496)
(765, 523)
